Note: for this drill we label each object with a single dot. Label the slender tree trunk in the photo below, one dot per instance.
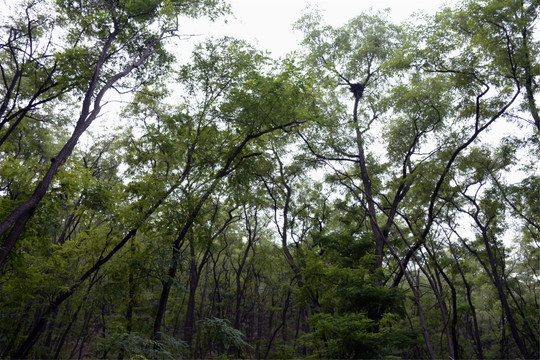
(285, 232)
(442, 308)
(476, 332)
(50, 329)
(422, 319)
(454, 321)
(452, 335)
(502, 296)
(529, 79)
(163, 299)
(239, 287)
(416, 294)
(378, 235)
(81, 339)
(194, 276)
(197, 351)
(66, 331)
(530, 333)
(282, 324)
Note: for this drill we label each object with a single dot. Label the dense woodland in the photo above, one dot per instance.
(376, 194)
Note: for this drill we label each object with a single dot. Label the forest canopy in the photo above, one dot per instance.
(375, 194)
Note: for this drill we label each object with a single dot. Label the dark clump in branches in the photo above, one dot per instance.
(357, 89)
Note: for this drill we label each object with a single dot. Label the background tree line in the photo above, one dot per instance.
(374, 195)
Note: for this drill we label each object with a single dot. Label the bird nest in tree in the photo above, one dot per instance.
(357, 89)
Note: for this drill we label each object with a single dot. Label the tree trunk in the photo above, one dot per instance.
(189, 325)
(476, 332)
(67, 330)
(378, 236)
(529, 79)
(500, 290)
(239, 287)
(442, 308)
(282, 324)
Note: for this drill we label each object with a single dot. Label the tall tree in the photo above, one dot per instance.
(354, 56)
(107, 42)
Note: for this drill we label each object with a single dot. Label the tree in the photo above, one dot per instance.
(241, 108)
(354, 56)
(118, 42)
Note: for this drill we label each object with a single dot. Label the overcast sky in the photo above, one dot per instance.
(267, 23)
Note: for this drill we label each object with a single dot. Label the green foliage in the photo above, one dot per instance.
(222, 335)
(355, 316)
(355, 51)
(354, 336)
(135, 346)
(219, 158)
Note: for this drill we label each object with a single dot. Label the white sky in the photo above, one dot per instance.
(268, 23)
